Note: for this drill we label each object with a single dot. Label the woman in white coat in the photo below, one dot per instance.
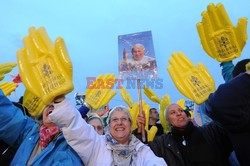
(117, 147)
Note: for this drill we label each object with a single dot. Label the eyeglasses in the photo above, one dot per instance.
(116, 120)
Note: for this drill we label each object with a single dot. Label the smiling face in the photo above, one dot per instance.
(120, 126)
(176, 116)
(47, 110)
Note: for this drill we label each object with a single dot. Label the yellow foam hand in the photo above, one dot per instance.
(8, 87)
(248, 66)
(181, 103)
(33, 103)
(151, 133)
(192, 114)
(99, 93)
(134, 112)
(194, 82)
(151, 95)
(219, 38)
(165, 101)
(45, 68)
(146, 108)
(126, 97)
(6, 68)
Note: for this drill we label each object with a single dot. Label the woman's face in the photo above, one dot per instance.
(47, 110)
(177, 117)
(97, 126)
(120, 127)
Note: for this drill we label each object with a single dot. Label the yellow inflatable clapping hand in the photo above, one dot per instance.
(99, 93)
(45, 68)
(153, 130)
(33, 103)
(6, 68)
(165, 101)
(151, 95)
(151, 133)
(126, 97)
(8, 87)
(219, 38)
(134, 112)
(181, 103)
(195, 83)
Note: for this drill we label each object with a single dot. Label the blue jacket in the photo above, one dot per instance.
(19, 130)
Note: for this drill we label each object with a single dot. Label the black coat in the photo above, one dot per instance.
(230, 106)
(204, 146)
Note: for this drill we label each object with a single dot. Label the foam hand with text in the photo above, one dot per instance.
(45, 68)
(99, 93)
(194, 82)
(219, 38)
(33, 103)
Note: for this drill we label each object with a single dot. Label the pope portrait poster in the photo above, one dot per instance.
(136, 56)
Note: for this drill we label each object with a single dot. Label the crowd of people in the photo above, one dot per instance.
(61, 134)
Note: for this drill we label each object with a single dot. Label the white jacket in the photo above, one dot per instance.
(90, 146)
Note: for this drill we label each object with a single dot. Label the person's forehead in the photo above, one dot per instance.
(174, 107)
(154, 111)
(119, 114)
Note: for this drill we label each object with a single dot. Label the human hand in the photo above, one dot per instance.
(165, 101)
(219, 38)
(134, 112)
(6, 68)
(99, 92)
(126, 97)
(45, 68)
(194, 82)
(140, 121)
(151, 95)
(8, 87)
